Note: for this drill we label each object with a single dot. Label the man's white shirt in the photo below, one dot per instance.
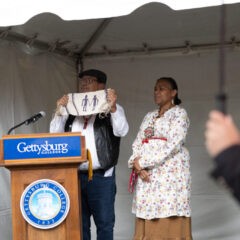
(120, 129)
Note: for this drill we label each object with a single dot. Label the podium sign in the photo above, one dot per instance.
(45, 147)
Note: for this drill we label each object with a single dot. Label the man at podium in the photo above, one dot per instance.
(102, 135)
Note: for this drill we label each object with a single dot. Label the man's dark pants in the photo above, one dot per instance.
(98, 197)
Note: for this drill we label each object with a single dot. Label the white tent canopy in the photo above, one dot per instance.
(153, 28)
(15, 12)
(38, 65)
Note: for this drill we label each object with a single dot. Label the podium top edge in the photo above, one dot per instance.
(39, 135)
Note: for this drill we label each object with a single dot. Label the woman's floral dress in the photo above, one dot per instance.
(168, 193)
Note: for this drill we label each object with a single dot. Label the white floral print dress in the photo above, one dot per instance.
(168, 193)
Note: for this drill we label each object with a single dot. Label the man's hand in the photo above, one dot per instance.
(112, 99)
(61, 102)
(220, 133)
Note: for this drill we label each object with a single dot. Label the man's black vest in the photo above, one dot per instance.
(107, 145)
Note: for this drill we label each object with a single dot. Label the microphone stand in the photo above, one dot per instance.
(11, 129)
(32, 119)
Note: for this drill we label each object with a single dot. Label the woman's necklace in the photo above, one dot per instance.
(149, 131)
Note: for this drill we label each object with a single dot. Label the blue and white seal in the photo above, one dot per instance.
(45, 204)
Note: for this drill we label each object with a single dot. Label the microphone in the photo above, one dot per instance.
(35, 117)
(32, 119)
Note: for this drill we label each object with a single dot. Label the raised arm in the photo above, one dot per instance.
(58, 122)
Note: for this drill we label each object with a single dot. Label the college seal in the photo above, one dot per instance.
(44, 204)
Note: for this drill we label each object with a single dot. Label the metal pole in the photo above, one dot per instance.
(221, 96)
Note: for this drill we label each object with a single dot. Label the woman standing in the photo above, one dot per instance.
(162, 197)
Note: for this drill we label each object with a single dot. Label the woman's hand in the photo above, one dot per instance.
(142, 173)
(136, 165)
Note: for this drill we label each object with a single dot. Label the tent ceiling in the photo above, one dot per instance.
(154, 26)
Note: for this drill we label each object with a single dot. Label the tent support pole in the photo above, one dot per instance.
(94, 36)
